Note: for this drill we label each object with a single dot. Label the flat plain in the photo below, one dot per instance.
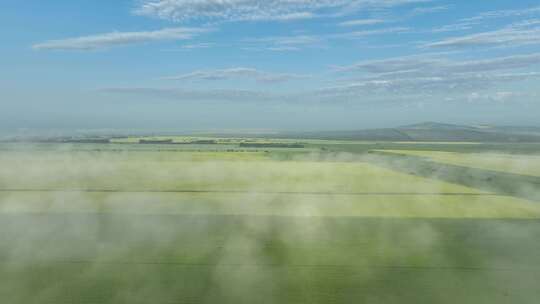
(512, 163)
(127, 223)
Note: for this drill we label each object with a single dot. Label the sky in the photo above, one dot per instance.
(186, 65)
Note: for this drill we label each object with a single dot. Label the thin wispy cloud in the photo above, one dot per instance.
(499, 97)
(115, 39)
(190, 47)
(237, 73)
(329, 96)
(299, 42)
(514, 35)
(434, 84)
(435, 65)
(295, 16)
(186, 95)
(282, 49)
(429, 10)
(256, 10)
(364, 33)
(488, 38)
(283, 43)
(361, 22)
(456, 27)
(436, 74)
(411, 63)
(204, 45)
(526, 12)
(290, 40)
(356, 92)
(386, 79)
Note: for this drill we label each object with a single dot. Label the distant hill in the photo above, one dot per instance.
(435, 126)
(433, 131)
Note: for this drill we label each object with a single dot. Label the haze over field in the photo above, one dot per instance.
(270, 151)
(325, 221)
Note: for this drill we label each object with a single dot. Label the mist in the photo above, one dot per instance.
(244, 226)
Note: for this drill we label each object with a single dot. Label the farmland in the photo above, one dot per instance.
(513, 163)
(274, 222)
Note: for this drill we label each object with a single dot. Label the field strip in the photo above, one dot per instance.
(256, 192)
(293, 266)
(503, 183)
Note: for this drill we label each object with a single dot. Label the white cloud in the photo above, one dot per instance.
(394, 90)
(519, 33)
(114, 39)
(361, 22)
(429, 10)
(322, 96)
(456, 83)
(290, 40)
(295, 16)
(426, 65)
(204, 45)
(282, 49)
(235, 73)
(501, 63)
(284, 43)
(194, 46)
(358, 34)
(505, 14)
(460, 26)
(499, 97)
(257, 10)
(210, 95)
(298, 42)
(523, 33)
(392, 65)
(434, 74)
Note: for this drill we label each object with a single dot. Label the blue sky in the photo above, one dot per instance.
(272, 64)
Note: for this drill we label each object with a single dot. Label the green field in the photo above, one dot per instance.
(512, 163)
(125, 223)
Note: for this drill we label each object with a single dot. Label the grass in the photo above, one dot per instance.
(250, 172)
(511, 163)
(502, 148)
(299, 205)
(239, 259)
(130, 224)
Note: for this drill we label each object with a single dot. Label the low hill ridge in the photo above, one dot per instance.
(432, 131)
